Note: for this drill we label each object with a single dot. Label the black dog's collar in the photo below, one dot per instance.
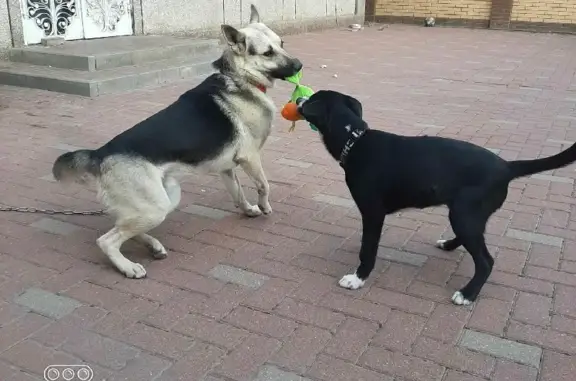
(356, 134)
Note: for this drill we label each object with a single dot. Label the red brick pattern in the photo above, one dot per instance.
(279, 310)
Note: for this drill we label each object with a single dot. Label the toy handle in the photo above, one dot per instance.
(301, 100)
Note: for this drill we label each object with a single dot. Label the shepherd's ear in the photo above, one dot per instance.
(234, 38)
(254, 15)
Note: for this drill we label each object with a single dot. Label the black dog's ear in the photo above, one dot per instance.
(354, 105)
(312, 108)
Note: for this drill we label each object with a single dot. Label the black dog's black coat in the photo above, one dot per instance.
(387, 172)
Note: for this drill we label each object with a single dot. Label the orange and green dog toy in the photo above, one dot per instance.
(290, 109)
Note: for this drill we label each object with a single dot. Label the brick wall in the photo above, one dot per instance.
(544, 11)
(440, 9)
(533, 15)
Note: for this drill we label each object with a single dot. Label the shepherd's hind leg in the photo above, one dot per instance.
(156, 248)
(126, 228)
(174, 192)
(134, 192)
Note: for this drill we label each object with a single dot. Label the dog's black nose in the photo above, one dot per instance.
(297, 65)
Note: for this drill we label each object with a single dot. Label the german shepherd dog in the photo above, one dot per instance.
(215, 127)
(386, 173)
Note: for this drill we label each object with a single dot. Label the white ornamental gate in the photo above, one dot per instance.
(75, 19)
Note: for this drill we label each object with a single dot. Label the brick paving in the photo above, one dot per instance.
(257, 299)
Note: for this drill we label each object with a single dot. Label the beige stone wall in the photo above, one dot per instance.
(453, 9)
(544, 11)
(5, 34)
(185, 16)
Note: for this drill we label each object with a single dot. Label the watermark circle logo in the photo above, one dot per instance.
(68, 373)
(84, 374)
(51, 374)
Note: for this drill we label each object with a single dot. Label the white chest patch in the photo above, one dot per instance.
(252, 117)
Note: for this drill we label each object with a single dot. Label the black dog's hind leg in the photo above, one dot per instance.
(468, 217)
(449, 244)
(373, 214)
(483, 264)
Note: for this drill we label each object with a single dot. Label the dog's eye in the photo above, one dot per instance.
(269, 52)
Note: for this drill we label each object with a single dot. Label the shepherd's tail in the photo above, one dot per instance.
(522, 168)
(73, 166)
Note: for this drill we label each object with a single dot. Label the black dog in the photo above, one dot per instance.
(387, 172)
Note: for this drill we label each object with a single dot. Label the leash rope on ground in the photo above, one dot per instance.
(23, 209)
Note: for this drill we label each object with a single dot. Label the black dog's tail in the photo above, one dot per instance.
(520, 168)
(73, 166)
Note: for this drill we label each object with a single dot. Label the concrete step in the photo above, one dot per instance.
(115, 80)
(109, 53)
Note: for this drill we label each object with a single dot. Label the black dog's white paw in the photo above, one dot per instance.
(351, 282)
(460, 300)
(441, 243)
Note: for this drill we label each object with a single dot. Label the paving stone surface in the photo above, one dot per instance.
(518, 352)
(235, 275)
(46, 303)
(241, 299)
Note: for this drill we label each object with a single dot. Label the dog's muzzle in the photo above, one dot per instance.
(291, 68)
(299, 103)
